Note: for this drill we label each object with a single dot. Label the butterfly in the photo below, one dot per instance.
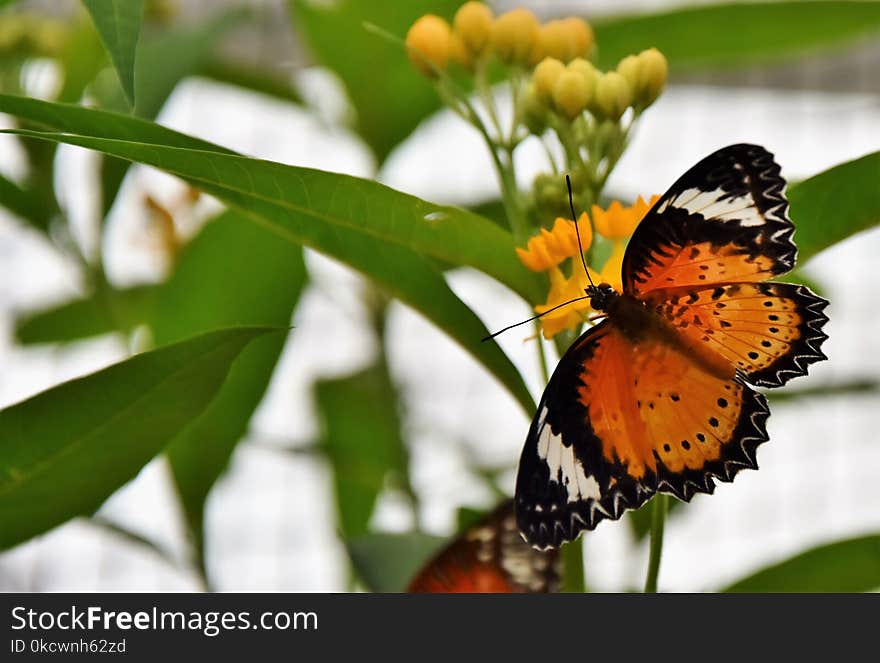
(659, 396)
(490, 557)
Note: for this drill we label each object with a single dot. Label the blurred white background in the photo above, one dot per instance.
(270, 522)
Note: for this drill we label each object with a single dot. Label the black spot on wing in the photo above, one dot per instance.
(737, 454)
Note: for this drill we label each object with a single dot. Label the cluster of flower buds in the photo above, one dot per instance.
(577, 87)
(516, 38)
(557, 92)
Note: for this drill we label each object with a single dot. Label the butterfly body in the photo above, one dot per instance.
(658, 396)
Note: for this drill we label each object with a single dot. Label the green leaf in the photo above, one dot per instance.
(391, 103)
(835, 204)
(376, 230)
(103, 312)
(25, 204)
(66, 450)
(388, 562)
(162, 62)
(852, 565)
(736, 34)
(93, 122)
(362, 439)
(119, 24)
(232, 273)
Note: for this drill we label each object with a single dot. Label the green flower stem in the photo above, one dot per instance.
(542, 357)
(658, 520)
(573, 581)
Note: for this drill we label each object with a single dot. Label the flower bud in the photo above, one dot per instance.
(459, 53)
(571, 94)
(556, 41)
(472, 23)
(428, 44)
(566, 39)
(586, 69)
(581, 34)
(655, 71)
(646, 73)
(545, 76)
(613, 95)
(513, 36)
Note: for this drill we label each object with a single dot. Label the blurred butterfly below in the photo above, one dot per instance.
(490, 557)
(658, 396)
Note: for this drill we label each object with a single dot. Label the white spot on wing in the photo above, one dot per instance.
(717, 205)
(564, 466)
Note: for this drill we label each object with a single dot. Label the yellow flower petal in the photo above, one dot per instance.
(563, 290)
(619, 222)
(611, 270)
(551, 247)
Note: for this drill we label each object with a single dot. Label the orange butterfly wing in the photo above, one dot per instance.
(490, 557)
(657, 397)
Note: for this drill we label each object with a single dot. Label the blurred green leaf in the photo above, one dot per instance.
(835, 204)
(105, 311)
(852, 565)
(849, 388)
(119, 25)
(66, 450)
(388, 562)
(232, 273)
(376, 230)
(390, 104)
(25, 204)
(162, 62)
(736, 34)
(129, 536)
(362, 439)
(81, 58)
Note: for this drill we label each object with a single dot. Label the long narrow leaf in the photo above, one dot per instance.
(66, 450)
(361, 223)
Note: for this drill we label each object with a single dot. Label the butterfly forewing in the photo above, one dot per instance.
(657, 397)
(724, 221)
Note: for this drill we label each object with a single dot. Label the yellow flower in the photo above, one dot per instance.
(549, 248)
(619, 222)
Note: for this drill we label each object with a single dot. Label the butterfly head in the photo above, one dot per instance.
(600, 296)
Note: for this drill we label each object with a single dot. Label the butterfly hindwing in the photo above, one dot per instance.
(724, 221)
(771, 332)
(620, 421)
(490, 557)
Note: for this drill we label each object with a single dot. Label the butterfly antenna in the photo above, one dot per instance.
(577, 231)
(535, 317)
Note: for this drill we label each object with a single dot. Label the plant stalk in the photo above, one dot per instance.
(658, 521)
